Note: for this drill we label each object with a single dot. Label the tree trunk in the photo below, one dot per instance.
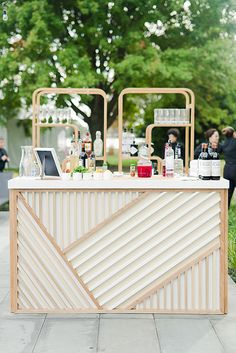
(96, 120)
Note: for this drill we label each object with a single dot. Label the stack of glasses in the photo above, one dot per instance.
(171, 116)
(55, 116)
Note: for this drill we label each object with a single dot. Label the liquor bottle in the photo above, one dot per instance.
(105, 166)
(215, 163)
(79, 144)
(204, 163)
(163, 168)
(92, 162)
(88, 143)
(178, 162)
(169, 158)
(98, 145)
(72, 150)
(133, 149)
(124, 142)
(130, 139)
(83, 158)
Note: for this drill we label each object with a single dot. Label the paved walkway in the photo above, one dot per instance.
(105, 333)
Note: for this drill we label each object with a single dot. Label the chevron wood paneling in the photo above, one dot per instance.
(45, 281)
(195, 288)
(123, 259)
(153, 251)
(57, 209)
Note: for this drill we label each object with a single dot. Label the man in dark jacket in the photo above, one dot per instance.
(3, 155)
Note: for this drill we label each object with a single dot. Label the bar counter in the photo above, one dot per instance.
(121, 245)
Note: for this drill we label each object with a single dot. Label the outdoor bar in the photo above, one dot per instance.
(121, 243)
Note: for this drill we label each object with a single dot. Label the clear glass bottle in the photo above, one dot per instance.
(28, 166)
(79, 143)
(169, 158)
(98, 145)
(178, 162)
(124, 142)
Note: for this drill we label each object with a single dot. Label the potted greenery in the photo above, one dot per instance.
(87, 174)
(77, 173)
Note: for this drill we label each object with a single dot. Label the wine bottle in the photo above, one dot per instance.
(215, 163)
(204, 163)
(83, 158)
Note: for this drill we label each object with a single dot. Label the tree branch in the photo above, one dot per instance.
(77, 110)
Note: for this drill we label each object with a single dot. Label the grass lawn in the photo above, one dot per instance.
(232, 241)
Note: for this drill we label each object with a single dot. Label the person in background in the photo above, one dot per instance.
(212, 137)
(3, 155)
(173, 135)
(229, 150)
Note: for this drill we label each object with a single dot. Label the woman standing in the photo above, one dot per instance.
(212, 137)
(229, 150)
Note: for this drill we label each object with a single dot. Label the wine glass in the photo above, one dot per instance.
(54, 116)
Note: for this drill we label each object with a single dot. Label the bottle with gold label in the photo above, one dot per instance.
(88, 143)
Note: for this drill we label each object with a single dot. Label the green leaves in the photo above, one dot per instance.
(117, 44)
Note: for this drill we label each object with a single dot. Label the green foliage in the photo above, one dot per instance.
(113, 45)
(80, 169)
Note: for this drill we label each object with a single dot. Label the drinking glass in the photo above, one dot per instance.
(172, 116)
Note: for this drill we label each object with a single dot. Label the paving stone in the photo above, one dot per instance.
(187, 336)
(68, 335)
(19, 336)
(127, 336)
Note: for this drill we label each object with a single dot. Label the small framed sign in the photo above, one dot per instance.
(48, 162)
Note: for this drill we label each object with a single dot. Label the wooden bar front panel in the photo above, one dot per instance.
(119, 250)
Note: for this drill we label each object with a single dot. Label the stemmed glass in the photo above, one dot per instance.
(69, 116)
(60, 115)
(54, 116)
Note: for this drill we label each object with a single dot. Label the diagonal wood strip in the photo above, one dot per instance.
(105, 222)
(57, 248)
(214, 245)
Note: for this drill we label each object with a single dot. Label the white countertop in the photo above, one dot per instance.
(125, 182)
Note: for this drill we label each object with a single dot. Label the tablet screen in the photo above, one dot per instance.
(50, 168)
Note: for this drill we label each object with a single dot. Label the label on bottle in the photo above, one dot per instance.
(215, 168)
(169, 163)
(178, 166)
(133, 150)
(204, 168)
(88, 147)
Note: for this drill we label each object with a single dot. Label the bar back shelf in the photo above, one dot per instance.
(189, 127)
(37, 125)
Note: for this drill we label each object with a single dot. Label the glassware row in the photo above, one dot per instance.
(172, 116)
